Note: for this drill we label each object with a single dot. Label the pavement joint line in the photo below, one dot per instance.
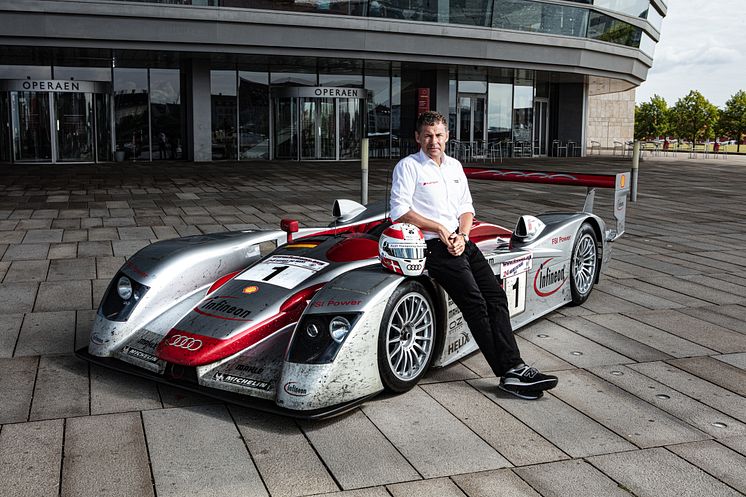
(246, 446)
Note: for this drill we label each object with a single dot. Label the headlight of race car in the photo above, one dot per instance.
(121, 298)
(318, 338)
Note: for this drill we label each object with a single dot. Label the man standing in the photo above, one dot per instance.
(430, 191)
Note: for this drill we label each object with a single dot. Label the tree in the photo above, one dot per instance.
(733, 117)
(651, 119)
(694, 118)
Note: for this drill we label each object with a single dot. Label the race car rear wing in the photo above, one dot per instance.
(620, 182)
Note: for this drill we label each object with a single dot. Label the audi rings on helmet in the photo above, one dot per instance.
(185, 342)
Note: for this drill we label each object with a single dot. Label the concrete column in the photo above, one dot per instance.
(201, 115)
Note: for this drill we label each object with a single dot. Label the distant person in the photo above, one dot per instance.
(162, 144)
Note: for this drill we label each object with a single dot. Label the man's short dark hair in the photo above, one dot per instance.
(430, 118)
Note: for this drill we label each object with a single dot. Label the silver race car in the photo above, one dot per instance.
(317, 325)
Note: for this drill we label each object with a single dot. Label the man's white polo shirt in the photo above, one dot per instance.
(439, 193)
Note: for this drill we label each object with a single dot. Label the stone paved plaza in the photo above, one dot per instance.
(652, 393)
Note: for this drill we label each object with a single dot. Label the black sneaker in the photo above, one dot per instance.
(518, 392)
(527, 380)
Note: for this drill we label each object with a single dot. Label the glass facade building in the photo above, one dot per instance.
(246, 80)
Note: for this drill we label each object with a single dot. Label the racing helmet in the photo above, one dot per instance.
(401, 249)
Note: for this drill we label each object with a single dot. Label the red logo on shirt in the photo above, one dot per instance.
(430, 183)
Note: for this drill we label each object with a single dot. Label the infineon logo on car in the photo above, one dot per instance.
(292, 388)
(549, 278)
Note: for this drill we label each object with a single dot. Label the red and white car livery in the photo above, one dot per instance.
(318, 325)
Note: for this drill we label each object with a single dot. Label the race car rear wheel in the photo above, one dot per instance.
(584, 264)
(407, 337)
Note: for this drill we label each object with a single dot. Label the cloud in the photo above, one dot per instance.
(701, 56)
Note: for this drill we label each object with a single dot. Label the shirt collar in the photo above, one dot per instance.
(423, 159)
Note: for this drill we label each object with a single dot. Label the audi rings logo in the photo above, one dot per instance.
(414, 267)
(185, 342)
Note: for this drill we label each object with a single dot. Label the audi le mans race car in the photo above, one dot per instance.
(318, 325)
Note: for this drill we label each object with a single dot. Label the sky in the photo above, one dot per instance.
(703, 48)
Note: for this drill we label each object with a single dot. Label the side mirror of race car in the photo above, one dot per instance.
(289, 226)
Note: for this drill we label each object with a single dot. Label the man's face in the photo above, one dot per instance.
(432, 139)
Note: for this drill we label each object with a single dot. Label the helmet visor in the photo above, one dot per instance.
(405, 252)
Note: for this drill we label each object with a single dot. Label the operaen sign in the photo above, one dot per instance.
(53, 85)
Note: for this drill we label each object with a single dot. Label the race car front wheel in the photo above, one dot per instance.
(584, 264)
(407, 337)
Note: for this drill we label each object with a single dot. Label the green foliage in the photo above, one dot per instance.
(694, 118)
(733, 117)
(651, 119)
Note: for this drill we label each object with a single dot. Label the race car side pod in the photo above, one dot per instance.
(619, 182)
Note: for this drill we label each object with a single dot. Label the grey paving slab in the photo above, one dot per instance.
(97, 446)
(30, 457)
(43, 236)
(75, 235)
(659, 473)
(633, 269)
(136, 233)
(357, 453)
(668, 267)
(602, 303)
(717, 314)
(279, 449)
(611, 339)
(571, 347)
(176, 397)
(15, 236)
(514, 440)
(695, 330)
(737, 360)
(538, 357)
(666, 293)
(63, 251)
(95, 249)
(17, 377)
(648, 300)
(364, 492)
(651, 336)
(63, 295)
(452, 372)
(442, 487)
(26, 252)
(714, 371)
(47, 333)
(717, 283)
(565, 427)
(696, 290)
(736, 443)
(127, 248)
(17, 297)
(697, 388)
(27, 271)
(223, 466)
(107, 267)
(477, 363)
(642, 424)
(686, 409)
(82, 268)
(113, 392)
(61, 389)
(721, 462)
(433, 441)
(83, 325)
(96, 234)
(574, 478)
(502, 483)
(10, 327)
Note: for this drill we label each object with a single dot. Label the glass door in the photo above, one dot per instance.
(4, 127)
(471, 118)
(318, 129)
(32, 137)
(541, 121)
(286, 128)
(350, 129)
(74, 127)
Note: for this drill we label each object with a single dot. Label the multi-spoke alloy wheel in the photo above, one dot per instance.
(584, 264)
(407, 337)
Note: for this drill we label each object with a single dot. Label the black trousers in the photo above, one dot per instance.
(474, 288)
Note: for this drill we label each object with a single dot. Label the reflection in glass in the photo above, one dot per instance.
(606, 28)
(334, 72)
(523, 107)
(636, 8)
(32, 139)
(396, 110)
(471, 12)
(74, 122)
(647, 45)
(166, 121)
(15, 71)
(102, 103)
(4, 127)
(379, 114)
(83, 73)
(655, 18)
(224, 108)
(500, 110)
(253, 115)
(318, 128)
(131, 112)
(527, 15)
(286, 128)
(350, 128)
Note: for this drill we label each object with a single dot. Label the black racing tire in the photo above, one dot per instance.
(406, 339)
(584, 264)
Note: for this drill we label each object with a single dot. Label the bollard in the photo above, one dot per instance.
(364, 171)
(635, 168)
